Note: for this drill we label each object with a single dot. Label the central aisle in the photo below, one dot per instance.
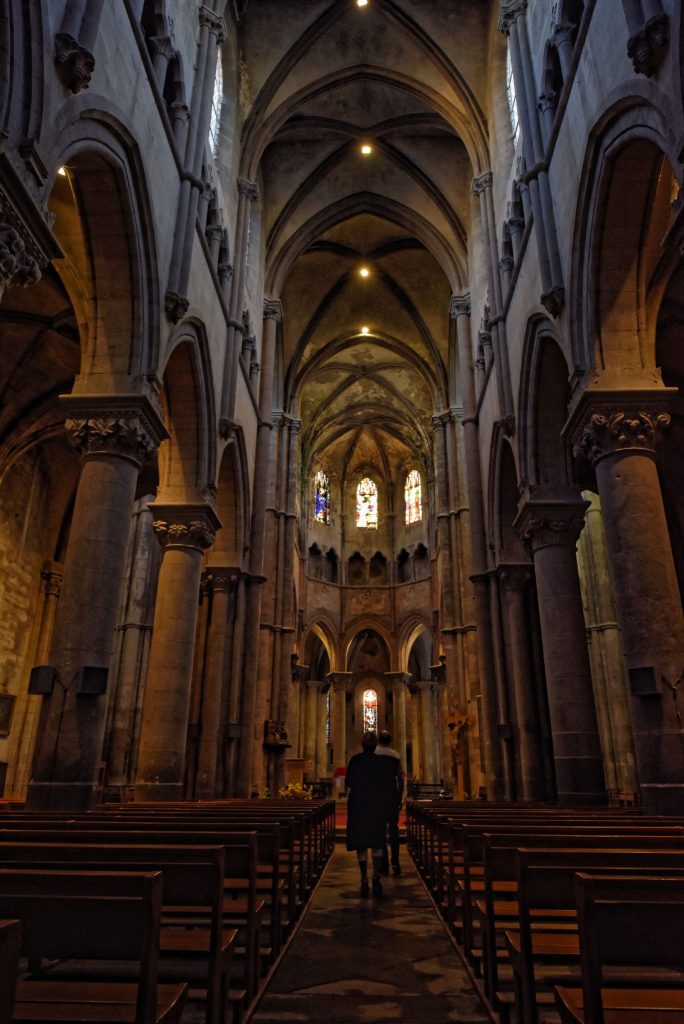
(385, 961)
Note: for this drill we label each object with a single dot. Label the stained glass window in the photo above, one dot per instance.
(327, 715)
(216, 103)
(367, 505)
(413, 498)
(322, 498)
(512, 98)
(370, 711)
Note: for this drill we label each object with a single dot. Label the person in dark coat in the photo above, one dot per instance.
(372, 782)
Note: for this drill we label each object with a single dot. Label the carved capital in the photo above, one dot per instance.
(161, 46)
(543, 524)
(75, 64)
(554, 300)
(248, 188)
(607, 433)
(17, 264)
(511, 10)
(273, 310)
(208, 19)
(516, 225)
(547, 101)
(482, 182)
(459, 306)
(646, 47)
(176, 306)
(189, 526)
(220, 578)
(506, 264)
(52, 575)
(121, 426)
(563, 32)
(515, 579)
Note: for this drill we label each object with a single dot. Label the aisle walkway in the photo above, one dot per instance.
(389, 959)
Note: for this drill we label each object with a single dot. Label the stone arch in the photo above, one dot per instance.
(618, 228)
(504, 494)
(231, 506)
(324, 631)
(366, 624)
(411, 630)
(544, 396)
(187, 459)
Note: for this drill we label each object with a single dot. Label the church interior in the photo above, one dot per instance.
(340, 391)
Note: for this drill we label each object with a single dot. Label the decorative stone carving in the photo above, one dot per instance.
(191, 526)
(482, 182)
(176, 306)
(607, 433)
(554, 300)
(220, 579)
(17, 265)
(210, 20)
(542, 524)
(124, 426)
(510, 12)
(563, 32)
(75, 64)
(248, 188)
(646, 47)
(459, 306)
(506, 264)
(275, 734)
(547, 101)
(515, 578)
(273, 310)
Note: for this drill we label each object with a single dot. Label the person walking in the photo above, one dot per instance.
(383, 748)
(372, 786)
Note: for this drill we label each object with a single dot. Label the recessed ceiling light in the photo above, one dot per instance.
(362, 3)
(364, 271)
(366, 149)
(365, 330)
(62, 170)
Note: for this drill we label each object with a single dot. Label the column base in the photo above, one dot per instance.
(151, 792)
(61, 796)
(662, 798)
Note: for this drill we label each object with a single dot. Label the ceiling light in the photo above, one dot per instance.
(366, 149)
(362, 3)
(62, 170)
(365, 330)
(364, 271)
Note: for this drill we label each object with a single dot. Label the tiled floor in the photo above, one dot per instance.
(370, 961)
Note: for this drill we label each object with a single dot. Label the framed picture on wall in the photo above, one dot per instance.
(6, 709)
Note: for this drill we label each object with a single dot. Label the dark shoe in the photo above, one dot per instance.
(365, 891)
(377, 887)
(396, 870)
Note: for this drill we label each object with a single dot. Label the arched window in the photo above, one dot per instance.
(370, 711)
(512, 99)
(322, 498)
(367, 505)
(327, 715)
(413, 498)
(216, 103)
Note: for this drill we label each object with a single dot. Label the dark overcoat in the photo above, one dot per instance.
(372, 782)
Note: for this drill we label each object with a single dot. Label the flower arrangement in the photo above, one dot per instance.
(295, 791)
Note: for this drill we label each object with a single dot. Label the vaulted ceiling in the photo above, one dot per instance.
(365, 358)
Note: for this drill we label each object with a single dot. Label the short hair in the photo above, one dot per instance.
(369, 741)
(384, 738)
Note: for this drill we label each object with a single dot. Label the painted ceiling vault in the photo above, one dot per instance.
(365, 356)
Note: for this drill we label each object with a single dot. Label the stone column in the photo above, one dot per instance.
(219, 581)
(551, 528)
(115, 434)
(321, 767)
(309, 745)
(26, 713)
(618, 432)
(562, 38)
(338, 733)
(185, 531)
(398, 682)
(515, 580)
(494, 770)
(416, 752)
(75, 42)
(429, 734)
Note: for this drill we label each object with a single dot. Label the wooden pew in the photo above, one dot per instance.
(545, 883)
(94, 916)
(10, 946)
(633, 922)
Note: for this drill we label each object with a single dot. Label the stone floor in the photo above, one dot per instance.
(370, 961)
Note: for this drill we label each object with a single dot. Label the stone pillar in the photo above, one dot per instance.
(26, 713)
(338, 733)
(75, 42)
(115, 434)
(397, 683)
(562, 38)
(254, 688)
(416, 752)
(551, 528)
(429, 734)
(618, 432)
(321, 768)
(219, 581)
(515, 580)
(494, 770)
(309, 739)
(185, 531)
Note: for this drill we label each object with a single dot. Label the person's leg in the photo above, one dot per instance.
(362, 858)
(377, 863)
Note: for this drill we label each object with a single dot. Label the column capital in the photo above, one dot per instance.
(516, 225)
(220, 577)
(482, 182)
(273, 310)
(185, 525)
(550, 523)
(547, 101)
(514, 577)
(339, 680)
(248, 188)
(459, 306)
(52, 575)
(506, 264)
(75, 64)
(511, 10)
(562, 33)
(440, 419)
(122, 426)
(217, 26)
(398, 680)
(619, 422)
